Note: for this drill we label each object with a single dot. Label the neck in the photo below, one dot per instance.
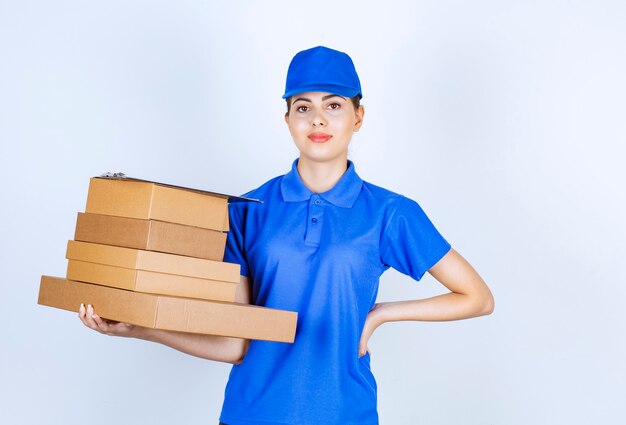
(320, 177)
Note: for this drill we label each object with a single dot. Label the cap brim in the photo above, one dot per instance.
(326, 88)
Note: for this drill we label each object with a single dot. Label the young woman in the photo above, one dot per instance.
(318, 245)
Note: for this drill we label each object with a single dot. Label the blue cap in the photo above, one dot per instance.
(322, 69)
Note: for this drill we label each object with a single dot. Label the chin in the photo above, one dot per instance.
(321, 157)
(323, 152)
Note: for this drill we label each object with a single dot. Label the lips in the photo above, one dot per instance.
(319, 137)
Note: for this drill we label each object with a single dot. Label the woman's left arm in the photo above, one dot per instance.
(469, 296)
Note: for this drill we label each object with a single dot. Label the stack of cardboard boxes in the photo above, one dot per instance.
(151, 254)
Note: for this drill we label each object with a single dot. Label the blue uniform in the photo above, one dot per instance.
(321, 255)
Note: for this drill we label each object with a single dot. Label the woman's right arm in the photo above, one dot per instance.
(210, 347)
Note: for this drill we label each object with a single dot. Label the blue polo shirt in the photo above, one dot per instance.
(321, 255)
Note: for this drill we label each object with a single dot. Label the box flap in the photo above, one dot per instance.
(231, 198)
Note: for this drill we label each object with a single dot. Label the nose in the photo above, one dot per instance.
(318, 120)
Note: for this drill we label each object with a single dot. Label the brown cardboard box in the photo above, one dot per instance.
(152, 272)
(152, 261)
(170, 313)
(151, 235)
(151, 282)
(150, 200)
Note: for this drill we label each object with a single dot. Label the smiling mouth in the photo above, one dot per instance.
(319, 137)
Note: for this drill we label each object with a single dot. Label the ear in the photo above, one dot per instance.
(360, 113)
(287, 118)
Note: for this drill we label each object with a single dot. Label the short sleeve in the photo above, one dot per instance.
(410, 243)
(235, 248)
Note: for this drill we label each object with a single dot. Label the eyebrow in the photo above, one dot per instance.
(328, 96)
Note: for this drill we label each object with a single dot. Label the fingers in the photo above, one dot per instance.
(363, 345)
(366, 334)
(91, 320)
(103, 326)
(364, 349)
(82, 315)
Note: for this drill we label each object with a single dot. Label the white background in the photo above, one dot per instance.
(506, 121)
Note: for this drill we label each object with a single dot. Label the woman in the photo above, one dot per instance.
(318, 245)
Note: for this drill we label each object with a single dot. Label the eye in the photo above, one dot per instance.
(334, 106)
(302, 108)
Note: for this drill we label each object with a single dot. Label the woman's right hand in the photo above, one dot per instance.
(90, 319)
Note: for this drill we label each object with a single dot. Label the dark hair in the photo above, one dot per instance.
(356, 101)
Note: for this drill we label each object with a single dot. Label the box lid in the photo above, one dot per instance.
(122, 176)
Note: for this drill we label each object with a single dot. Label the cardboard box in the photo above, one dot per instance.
(150, 200)
(170, 313)
(152, 261)
(151, 282)
(152, 272)
(151, 235)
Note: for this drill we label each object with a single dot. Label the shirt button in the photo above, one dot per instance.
(317, 202)
(314, 220)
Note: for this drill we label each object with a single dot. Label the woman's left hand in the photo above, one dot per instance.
(372, 322)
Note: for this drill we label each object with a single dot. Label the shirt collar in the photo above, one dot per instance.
(343, 194)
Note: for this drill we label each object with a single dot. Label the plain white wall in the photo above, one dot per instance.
(505, 120)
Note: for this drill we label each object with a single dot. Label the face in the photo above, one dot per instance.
(321, 125)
